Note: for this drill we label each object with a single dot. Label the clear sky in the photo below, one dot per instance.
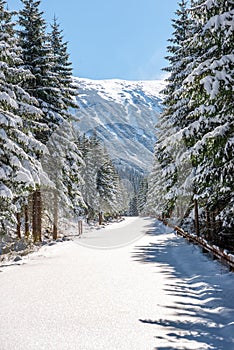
(123, 39)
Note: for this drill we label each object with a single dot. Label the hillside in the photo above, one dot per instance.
(124, 114)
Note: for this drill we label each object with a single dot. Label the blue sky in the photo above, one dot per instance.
(123, 39)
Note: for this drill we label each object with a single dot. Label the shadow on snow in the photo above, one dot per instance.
(199, 294)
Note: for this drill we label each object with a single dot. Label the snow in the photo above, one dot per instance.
(5, 192)
(25, 177)
(223, 20)
(5, 97)
(158, 292)
(121, 90)
(124, 110)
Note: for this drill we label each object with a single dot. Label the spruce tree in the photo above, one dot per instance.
(63, 163)
(92, 156)
(108, 186)
(101, 190)
(38, 59)
(63, 70)
(19, 149)
(46, 57)
(209, 129)
(142, 196)
(166, 182)
(199, 115)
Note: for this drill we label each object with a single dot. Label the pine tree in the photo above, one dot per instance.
(38, 59)
(209, 87)
(142, 196)
(92, 156)
(132, 211)
(63, 70)
(108, 186)
(63, 163)
(101, 189)
(198, 116)
(166, 182)
(46, 57)
(19, 166)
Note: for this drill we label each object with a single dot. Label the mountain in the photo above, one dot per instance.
(123, 114)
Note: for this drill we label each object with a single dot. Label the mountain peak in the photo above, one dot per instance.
(119, 90)
(123, 113)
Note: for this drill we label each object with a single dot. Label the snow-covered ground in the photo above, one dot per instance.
(158, 292)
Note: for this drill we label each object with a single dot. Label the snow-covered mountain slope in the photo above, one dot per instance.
(124, 114)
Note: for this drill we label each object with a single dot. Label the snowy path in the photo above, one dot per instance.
(156, 293)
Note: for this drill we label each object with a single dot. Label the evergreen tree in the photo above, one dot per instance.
(63, 163)
(199, 116)
(101, 189)
(142, 196)
(92, 156)
(46, 57)
(209, 87)
(133, 206)
(19, 166)
(108, 186)
(38, 59)
(166, 182)
(63, 70)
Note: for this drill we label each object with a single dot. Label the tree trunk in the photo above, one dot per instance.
(26, 219)
(208, 228)
(218, 222)
(197, 229)
(18, 232)
(34, 217)
(39, 218)
(100, 218)
(37, 205)
(213, 225)
(55, 218)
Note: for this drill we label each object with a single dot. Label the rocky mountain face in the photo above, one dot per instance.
(123, 115)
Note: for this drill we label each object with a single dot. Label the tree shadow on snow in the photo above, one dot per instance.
(199, 296)
(156, 227)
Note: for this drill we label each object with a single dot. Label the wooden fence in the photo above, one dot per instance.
(215, 252)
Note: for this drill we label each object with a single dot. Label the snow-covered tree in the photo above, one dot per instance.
(63, 70)
(92, 155)
(108, 186)
(101, 190)
(142, 195)
(209, 86)
(163, 182)
(38, 58)
(19, 149)
(47, 59)
(132, 210)
(63, 163)
(194, 152)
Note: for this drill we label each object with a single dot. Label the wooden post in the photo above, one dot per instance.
(197, 229)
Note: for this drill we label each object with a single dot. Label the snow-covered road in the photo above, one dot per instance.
(158, 292)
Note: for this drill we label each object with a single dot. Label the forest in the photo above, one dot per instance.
(50, 172)
(192, 182)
